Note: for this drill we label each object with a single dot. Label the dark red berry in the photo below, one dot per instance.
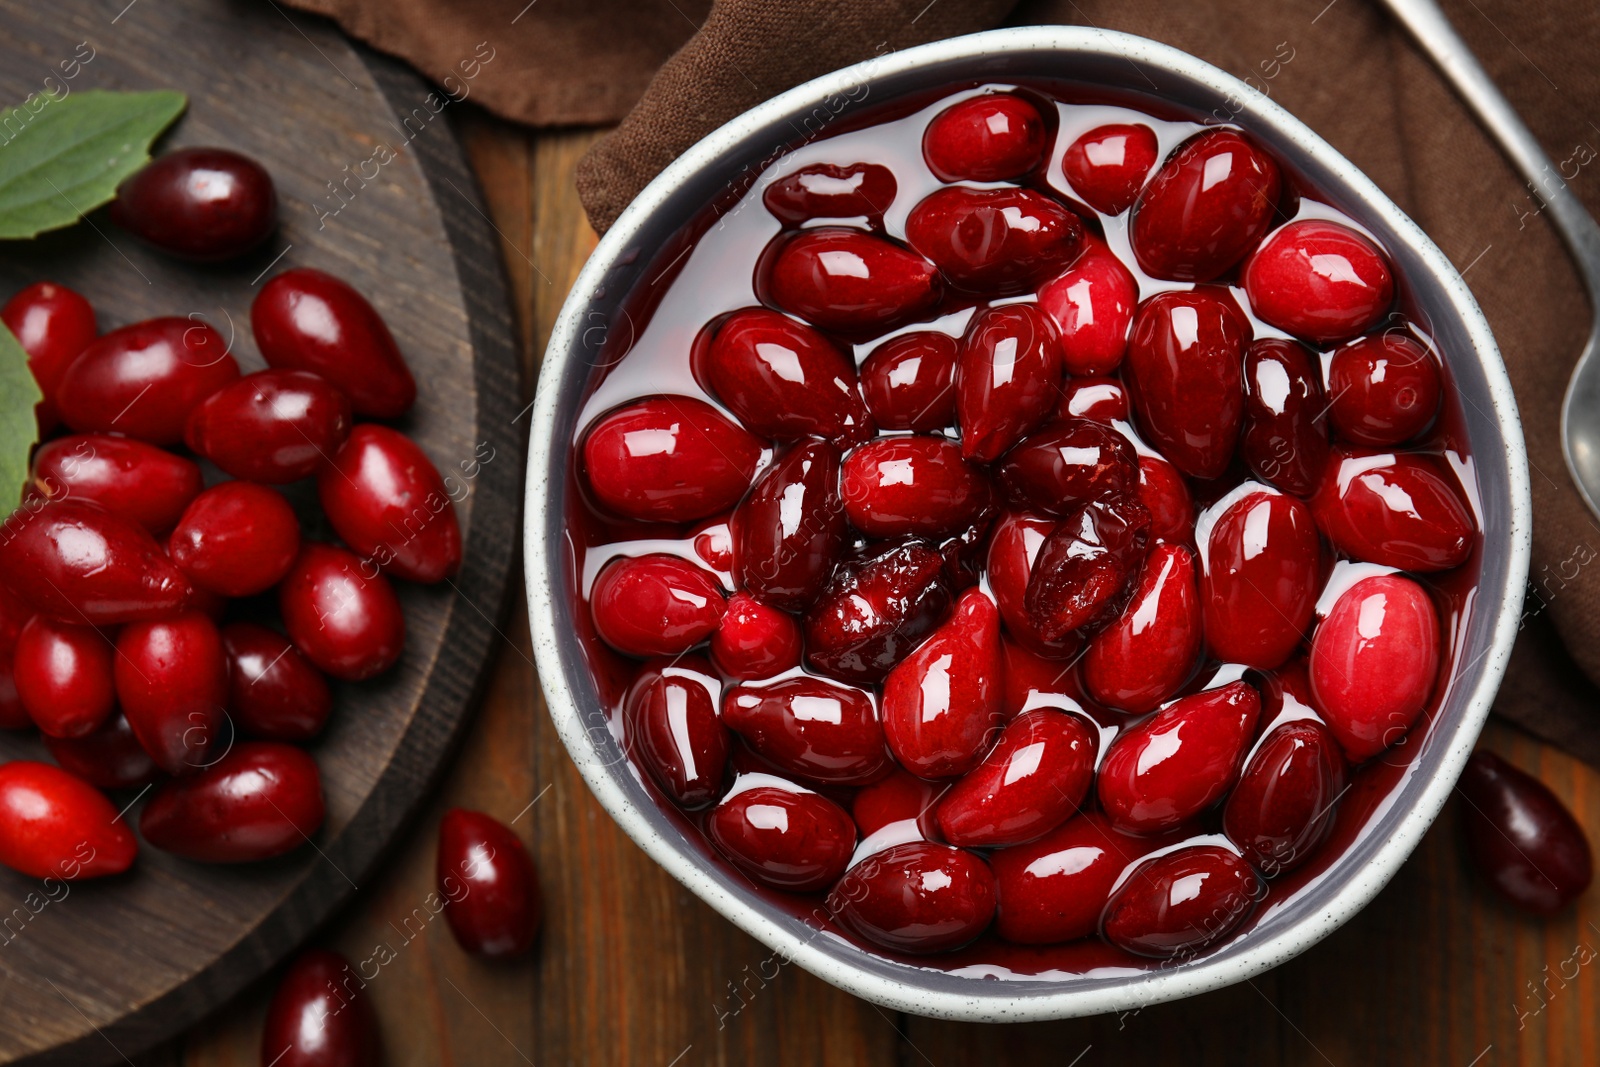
(387, 501)
(668, 459)
(829, 191)
(1386, 389)
(989, 138)
(851, 282)
(994, 241)
(53, 324)
(782, 379)
(203, 204)
(909, 382)
(878, 607)
(1521, 837)
(236, 539)
(305, 319)
(272, 426)
(143, 380)
(1208, 205)
(788, 533)
(1107, 166)
(1086, 566)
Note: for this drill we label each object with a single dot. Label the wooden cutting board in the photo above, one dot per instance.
(372, 189)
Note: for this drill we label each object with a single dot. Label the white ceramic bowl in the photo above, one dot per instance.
(1142, 68)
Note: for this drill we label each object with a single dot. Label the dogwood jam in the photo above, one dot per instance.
(1022, 533)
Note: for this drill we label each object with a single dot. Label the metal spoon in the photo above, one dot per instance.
(1580, 410)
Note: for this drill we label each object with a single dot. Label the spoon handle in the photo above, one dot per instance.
(1547, 186)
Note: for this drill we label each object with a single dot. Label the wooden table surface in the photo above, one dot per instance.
(632, 969)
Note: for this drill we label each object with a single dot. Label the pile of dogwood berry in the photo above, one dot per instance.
(119, 638)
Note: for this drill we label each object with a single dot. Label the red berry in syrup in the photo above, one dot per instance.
(1086, 566)
(941, 706)
(831, 191)
(912, 486)
(1091, 303)
(274, 693)
(851, 282)
(988, 138)
(909, 381)
(781, 835)
(1284, 801)
(489, 883)
(236, 539)
(147, 484)
(788, 532)
(143, 380)
(1069, 463)
(1318, 280)
(386, 501)
(1396, 509)
(819, 730)
(341, 613)
(1386, 389)
(261, 800)
(304, 319)
(1032, 681)
(53, 324)
(1009, 565)
(55, 825)
(1030, 782)
(1150, 650)
(1209, 204)
(754, 640)
(655, 605)
(1178, 762)
(877, 608)
(1284, 437)
(1008, 378)
(672, 717)
(63, 676)
(916, 898)
(994, 241)
(1374, 661)
(1521, 837)
(1176, 904)
(202, 204)
(1262, 573)
(668, 459)
(77, 562)
(1107, 166)
(1054, 889)
(1185, 377)
(782, 379)
(273, 426)
(1165, 494)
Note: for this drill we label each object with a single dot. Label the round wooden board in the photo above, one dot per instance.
(100, 971)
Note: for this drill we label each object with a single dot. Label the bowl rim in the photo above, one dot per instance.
(992, 1003)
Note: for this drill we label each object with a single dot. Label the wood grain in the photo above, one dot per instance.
(115, 966)
(634, 970)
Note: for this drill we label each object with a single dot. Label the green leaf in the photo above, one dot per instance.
(18, 429)
(62, 157)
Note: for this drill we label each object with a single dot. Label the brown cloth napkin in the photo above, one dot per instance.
(1354, 77)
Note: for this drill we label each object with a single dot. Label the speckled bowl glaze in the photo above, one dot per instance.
(1124, 64)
